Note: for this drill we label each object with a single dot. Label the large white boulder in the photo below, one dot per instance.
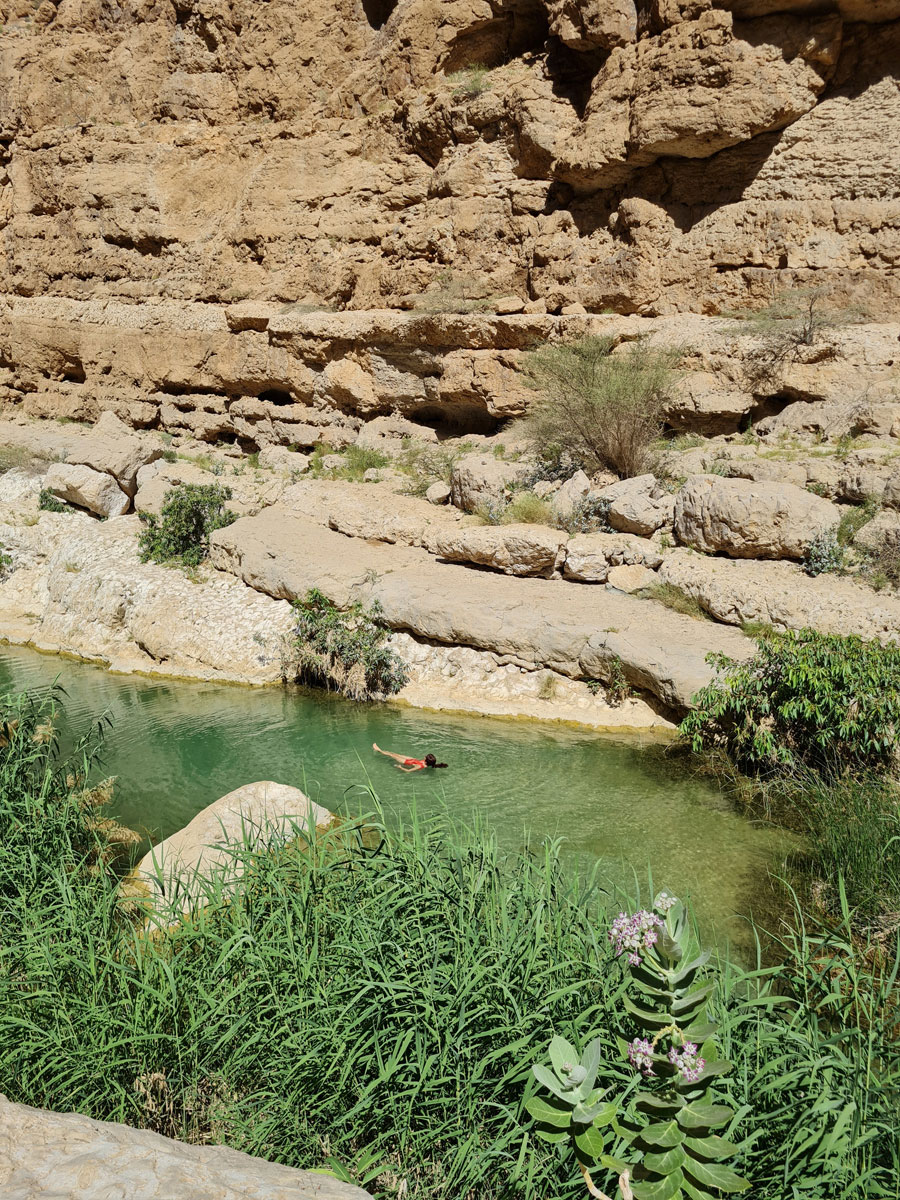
(94, 490)
(255, 814)
(512, 549)
(482, 479)
(591, 556)
(750, 518)
(115, 448)
(639, 505)
(67, 1156)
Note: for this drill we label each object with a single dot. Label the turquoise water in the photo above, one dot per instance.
(176, 747)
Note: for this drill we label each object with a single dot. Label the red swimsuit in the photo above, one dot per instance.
(413, 762)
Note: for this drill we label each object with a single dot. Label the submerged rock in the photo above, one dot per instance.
(256, 814)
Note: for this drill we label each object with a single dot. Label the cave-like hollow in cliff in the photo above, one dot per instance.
(378, 12)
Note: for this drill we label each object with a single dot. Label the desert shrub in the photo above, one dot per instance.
(805, 698)
(426, 464)
(603, 410)
(190, 513)
(527, 508)
(5, 561)
(344, 651)
(824, 554)
(452, 293)
(589, 515)
(881, 566)
(854, 519)
(49, 502)
(796, 319)
(470, 82)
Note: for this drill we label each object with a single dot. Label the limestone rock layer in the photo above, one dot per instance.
(432, 154)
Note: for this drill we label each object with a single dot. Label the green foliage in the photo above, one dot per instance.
(190, 513)
(796, 319)
(673, 597)
(821, 700)
(618, 688)
(602, 410)
(48, 502)
(346, 651)
(374, 997)
(666, 1147)
(426, 463)
(851, 828)
(523, 508)
(824, 554)
(588, 515)
(854, 519)
(5, 562)
(470, 82)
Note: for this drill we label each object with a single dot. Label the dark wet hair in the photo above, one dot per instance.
(431, 761)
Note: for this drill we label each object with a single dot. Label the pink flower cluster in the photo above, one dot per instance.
(686, 1062)
(634, 933)
(640, 1055)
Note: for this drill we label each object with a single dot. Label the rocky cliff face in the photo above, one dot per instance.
(651, 157)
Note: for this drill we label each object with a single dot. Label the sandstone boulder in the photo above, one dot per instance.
(631, 579)
(883, 531)
(482, 479)
(571, 629)
(512, 549)
(438, 493)
(890, 497)
(781, 594)
(639, 505)
(116, 449)
(255, 814)
(747, 519)
(572, 493)
(94, 490)
(282, 460)
(590, 556)
(71, 1157)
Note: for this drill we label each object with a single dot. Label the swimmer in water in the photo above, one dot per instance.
(409, 764)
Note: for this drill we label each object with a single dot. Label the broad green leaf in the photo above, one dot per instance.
(654, 1020)
(548, 1080)
(711, 1146)
(606, 1115)
(666, 1161)
(660, 1103)
(704, 1116)
(720, 1067)
(666, 1188)
(558, 1114)
(700, 1031)
(591, 1063)
(563, 1055)
(590, 1141)
(547, 1136)
(717, 1176)
(662, 1133)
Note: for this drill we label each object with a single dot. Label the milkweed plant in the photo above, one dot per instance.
(660, 1129)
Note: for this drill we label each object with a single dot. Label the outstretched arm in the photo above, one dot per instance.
(407, 770)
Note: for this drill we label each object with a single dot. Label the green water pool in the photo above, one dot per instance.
(176, 747)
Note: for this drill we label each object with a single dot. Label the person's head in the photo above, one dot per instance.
(431, 761)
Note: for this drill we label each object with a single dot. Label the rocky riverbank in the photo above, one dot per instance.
(522, 619)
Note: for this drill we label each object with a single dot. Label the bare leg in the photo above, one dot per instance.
(400, 758)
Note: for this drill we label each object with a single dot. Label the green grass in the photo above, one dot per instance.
(377, 997)
(673, 597)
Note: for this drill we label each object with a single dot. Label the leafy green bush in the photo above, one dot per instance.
(824, 554)
(51, 503)
(190, 513)
(470, 82)
(346, 651)
(603, 410)
(664, 1145)
(822, 700)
